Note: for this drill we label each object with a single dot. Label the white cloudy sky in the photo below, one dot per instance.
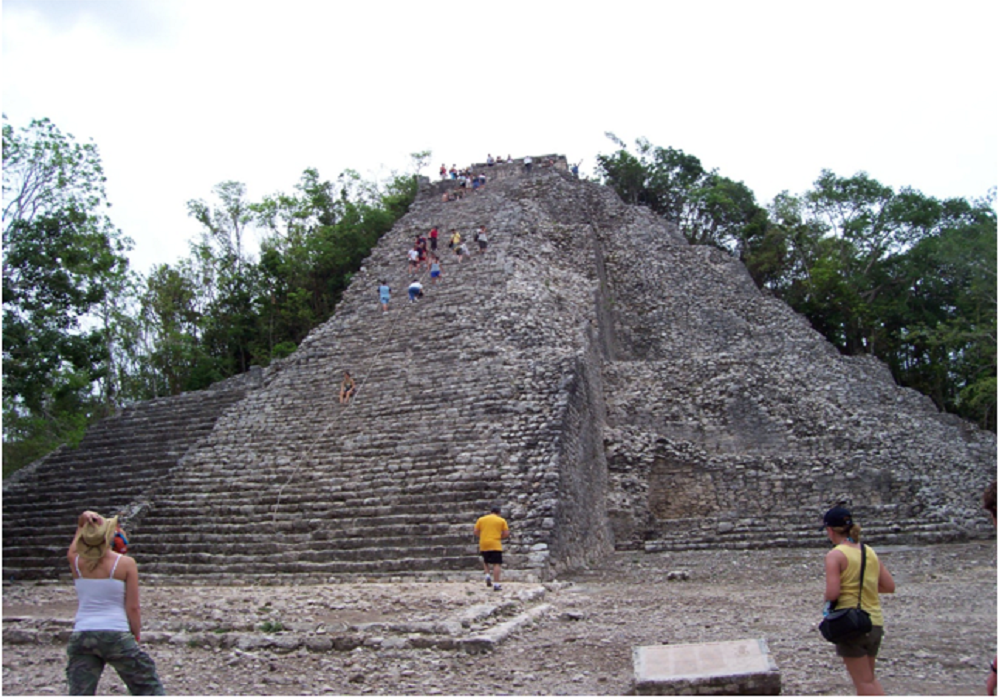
(180, 96)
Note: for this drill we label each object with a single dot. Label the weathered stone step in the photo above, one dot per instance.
(387, 564)
(331, 519)
(348, 548)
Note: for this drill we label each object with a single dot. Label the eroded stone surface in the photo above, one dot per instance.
(742, 667)
(607, 383)
(940, 628)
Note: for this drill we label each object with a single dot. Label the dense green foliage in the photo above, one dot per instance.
(64, 266)
(218, 312)
(899, 275)
(82, 334)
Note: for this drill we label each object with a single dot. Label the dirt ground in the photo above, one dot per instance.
(404, 637)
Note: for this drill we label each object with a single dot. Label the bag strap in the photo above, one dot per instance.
(863, 563)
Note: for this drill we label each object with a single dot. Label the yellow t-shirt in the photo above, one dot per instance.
(490, 529)
(849, 581)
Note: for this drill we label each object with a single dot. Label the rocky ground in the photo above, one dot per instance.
(573, 636)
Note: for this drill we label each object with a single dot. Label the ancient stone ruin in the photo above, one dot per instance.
(609, 385)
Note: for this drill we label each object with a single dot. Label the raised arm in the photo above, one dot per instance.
(85, 517)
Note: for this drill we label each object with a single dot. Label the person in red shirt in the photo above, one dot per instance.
(120, 542)
(491, 530)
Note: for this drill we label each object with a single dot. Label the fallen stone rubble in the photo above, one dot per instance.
(571, 636)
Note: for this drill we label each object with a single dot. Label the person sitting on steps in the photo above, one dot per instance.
(347, 388)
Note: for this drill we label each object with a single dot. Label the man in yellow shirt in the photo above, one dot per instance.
(491, 530)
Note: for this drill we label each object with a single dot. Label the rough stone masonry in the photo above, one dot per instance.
(608, 384)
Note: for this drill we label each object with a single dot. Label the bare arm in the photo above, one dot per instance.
(886, 584)
(132, 595)
(834, 562)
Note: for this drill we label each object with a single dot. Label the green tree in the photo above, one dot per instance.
(171, 318)
(227, 275)
(64, 263)
(906, 277)
(707, 207)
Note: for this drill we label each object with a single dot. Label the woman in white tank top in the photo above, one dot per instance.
(108, 620)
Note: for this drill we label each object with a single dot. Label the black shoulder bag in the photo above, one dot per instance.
(840, 626)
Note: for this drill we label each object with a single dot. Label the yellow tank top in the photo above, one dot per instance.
(849, 580)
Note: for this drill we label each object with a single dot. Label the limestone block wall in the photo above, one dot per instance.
(486, 391)
(118, 465)
(731, 421)
(606, 383)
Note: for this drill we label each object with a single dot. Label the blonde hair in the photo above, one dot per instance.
(852, 531)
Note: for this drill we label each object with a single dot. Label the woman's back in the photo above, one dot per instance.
(101, 596)
(850, 578)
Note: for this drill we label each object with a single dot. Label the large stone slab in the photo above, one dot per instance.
(742, 667)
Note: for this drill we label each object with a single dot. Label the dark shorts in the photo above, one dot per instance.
(493, 557)
(88, 653)
(867, 645)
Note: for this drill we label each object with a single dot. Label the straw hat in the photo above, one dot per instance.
(93, 540)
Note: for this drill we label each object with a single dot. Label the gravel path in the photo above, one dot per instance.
(573, 636)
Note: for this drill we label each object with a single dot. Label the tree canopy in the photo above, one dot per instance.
(898, 274)
(83, 334)
(64, 264)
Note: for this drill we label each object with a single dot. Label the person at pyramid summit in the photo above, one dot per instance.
(108, 619)
(844, 588)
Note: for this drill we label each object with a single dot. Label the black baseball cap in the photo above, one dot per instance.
(838, 517)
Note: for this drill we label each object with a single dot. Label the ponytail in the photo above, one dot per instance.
(854, 533)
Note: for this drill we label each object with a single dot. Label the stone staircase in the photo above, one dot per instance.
(460, 404)
(604, 382)
(120, 460)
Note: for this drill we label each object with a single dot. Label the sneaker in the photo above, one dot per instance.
(489, 580)
(497, 587)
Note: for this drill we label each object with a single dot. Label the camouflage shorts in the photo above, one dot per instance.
(88, 653)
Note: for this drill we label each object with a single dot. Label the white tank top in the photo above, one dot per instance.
(101, 603)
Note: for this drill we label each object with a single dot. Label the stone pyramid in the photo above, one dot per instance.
(607, 384)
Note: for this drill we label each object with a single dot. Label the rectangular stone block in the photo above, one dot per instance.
(742, 667)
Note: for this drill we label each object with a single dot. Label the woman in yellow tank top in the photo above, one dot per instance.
(842, 588)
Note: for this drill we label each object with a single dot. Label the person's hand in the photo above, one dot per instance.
(90, 517)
